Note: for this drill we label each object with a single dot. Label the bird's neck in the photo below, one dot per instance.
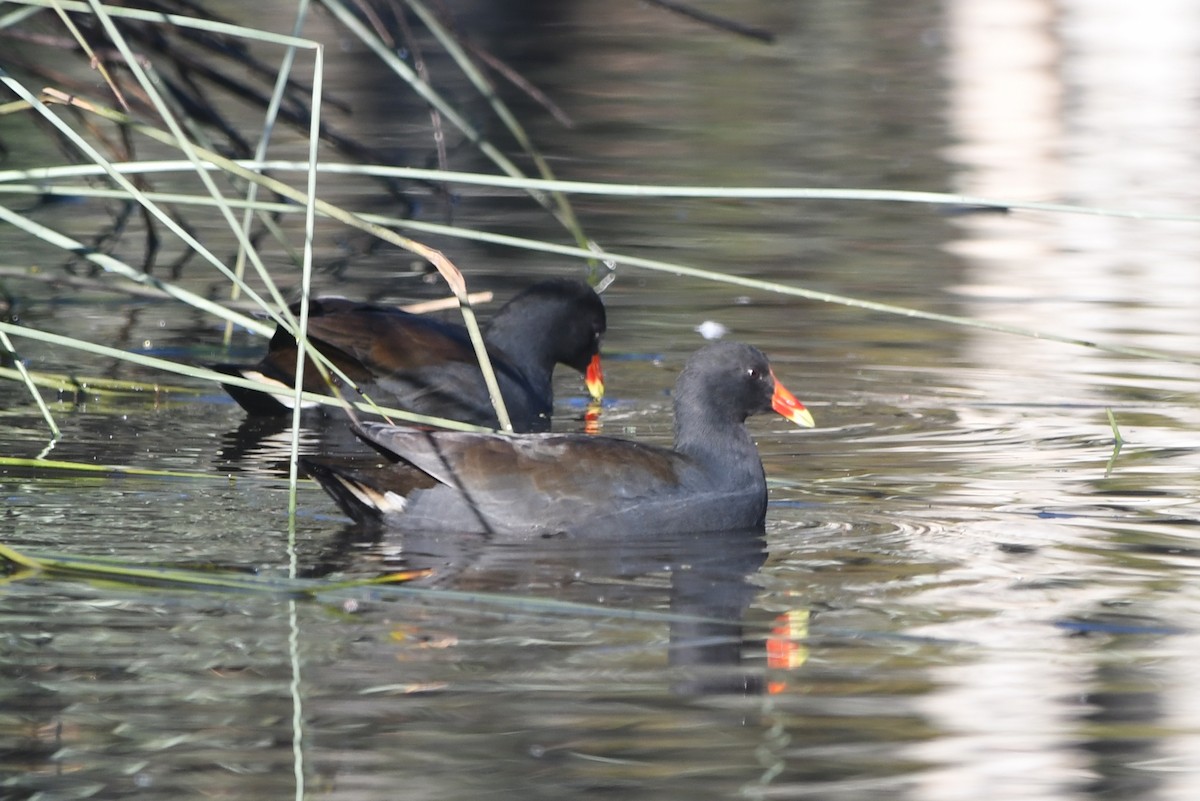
(722, 448)
(531, 355)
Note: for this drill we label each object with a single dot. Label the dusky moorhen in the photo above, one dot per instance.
(428, 366)
(587, 486)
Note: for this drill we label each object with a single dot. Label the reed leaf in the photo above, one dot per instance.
(168, 20)
(615, 190)
(155, 363)
(25, 377)
(95, 568)
(389, 587)
(934, 198)
(86, 467)
(354, 24)
(449, 272)
(561, 207)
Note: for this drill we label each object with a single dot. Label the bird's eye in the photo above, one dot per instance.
(753, 373)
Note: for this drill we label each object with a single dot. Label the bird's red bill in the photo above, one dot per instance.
(785, 403)
(594, 378)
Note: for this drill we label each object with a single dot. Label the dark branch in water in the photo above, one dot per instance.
(721, 23)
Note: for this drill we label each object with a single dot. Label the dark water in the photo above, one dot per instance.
(961, 591)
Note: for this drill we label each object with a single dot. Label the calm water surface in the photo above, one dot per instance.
(962, 591)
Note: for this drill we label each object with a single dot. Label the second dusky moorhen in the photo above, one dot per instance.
(587, 486)
(428, 366)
